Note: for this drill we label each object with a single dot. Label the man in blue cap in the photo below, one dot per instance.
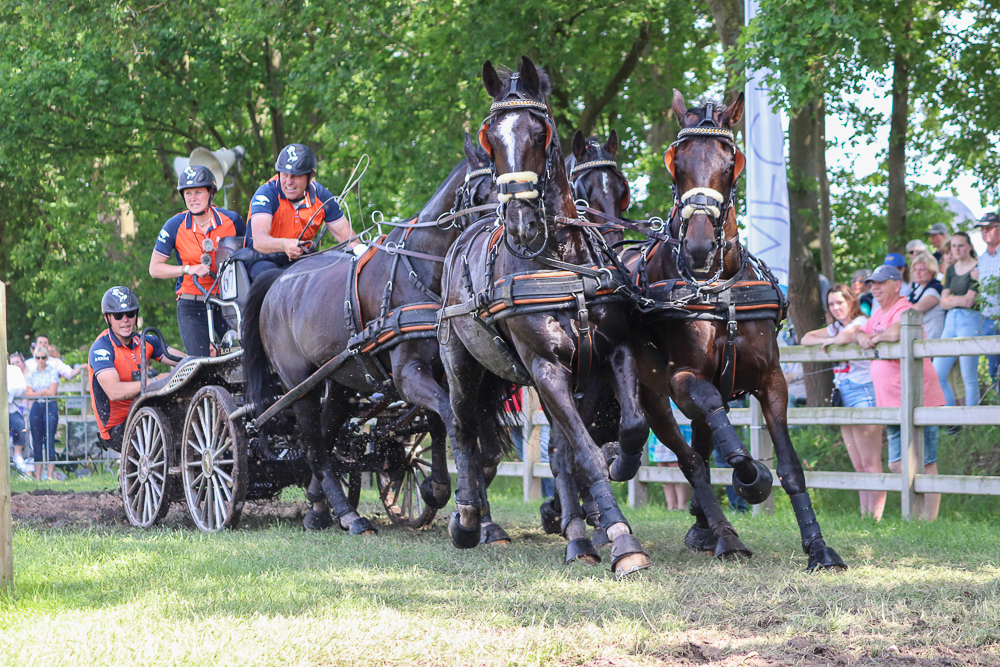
(896, 260)
(988, 265)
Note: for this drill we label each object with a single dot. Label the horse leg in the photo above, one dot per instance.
(774, 404)
(465, 375)
(632, 427)
(712, 532)
(554, 388)
(572, 525)
(308, 414)
(697, 397)
(490, 532)
(417, 386)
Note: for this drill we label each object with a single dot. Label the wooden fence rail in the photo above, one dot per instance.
(911, 416)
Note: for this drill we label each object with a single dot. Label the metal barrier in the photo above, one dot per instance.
(76, 434)
(912, 417)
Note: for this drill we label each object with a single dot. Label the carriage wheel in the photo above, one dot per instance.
(213, 461)
(400, 489)
(144, 468)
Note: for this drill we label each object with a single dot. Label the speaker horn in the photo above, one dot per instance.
(220, 161)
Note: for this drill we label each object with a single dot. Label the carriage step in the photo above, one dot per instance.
(176, 470)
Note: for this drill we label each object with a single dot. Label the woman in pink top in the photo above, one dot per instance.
(883, 327)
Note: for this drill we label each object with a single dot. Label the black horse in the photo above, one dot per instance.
(305, 316)
(533, 301)
(597, 182)
(722, 342)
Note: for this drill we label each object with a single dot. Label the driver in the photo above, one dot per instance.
(194, 237)
(115, 364)
(290, 202)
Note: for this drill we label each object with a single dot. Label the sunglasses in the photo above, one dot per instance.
(130, 314)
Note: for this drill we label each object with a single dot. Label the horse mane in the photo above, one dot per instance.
(543, 78)
(464, 164)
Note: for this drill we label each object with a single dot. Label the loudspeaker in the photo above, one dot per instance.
(220, 161)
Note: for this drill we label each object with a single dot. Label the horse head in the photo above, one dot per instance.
(520, 138)
(596, 178)
(705, 165)
(478, 187)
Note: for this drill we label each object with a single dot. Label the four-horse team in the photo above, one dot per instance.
(344, 362)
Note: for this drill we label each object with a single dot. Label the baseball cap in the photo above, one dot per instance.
(939, 228)
(860, 274)
(916, 244)
(895, 259)
(883, 273)
(988, 219)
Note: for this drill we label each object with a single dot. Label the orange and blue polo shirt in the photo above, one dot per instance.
(287, 218)
(105, 353)
(180, 236)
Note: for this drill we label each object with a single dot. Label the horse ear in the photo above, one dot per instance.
(529, 73)
(579, 145)
(679, 107)
(733, 113)
(611, 145)
(471, 148)
(491, 80)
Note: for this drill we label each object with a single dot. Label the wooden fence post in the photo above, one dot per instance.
(6, 522)
(638, 492)
(911, 396)
(762, 449)
(531, 446)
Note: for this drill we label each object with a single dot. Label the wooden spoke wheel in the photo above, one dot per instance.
(213, 461)
(144, 467)
(400, 488)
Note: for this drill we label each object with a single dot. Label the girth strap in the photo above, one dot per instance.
(727, 372)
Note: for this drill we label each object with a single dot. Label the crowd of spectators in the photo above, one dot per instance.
(943, 280)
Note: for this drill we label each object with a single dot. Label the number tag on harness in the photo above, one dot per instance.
(227, 284)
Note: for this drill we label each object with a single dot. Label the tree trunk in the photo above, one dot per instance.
(595, 105)
(825, 233)
(805, 310)
(896, 162)
(729, 19)
(272, 63)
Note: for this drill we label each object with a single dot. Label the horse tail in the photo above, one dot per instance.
(255, 362)
(495, 422)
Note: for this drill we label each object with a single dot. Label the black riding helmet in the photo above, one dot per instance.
(197, 177)
(119, 300)
(296, 159)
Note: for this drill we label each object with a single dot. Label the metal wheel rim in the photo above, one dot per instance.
(210, 464)
(144, 470)
(400, 489)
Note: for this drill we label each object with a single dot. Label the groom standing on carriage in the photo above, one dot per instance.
(288, 210)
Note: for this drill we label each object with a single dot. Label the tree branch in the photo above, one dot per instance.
(589, 116)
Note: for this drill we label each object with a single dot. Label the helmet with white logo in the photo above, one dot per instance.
(296, 159)
(197, 177)
(119, 300)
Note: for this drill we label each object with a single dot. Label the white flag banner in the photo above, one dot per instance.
(767, 187)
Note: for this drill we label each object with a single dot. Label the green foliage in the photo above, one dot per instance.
(117, 91)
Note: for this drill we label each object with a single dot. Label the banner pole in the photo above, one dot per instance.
(6, 522)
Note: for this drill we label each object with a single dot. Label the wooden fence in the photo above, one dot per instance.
(911, 350)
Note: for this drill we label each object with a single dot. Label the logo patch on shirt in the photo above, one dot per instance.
(261, 200)
(102, 355)
(164, 235)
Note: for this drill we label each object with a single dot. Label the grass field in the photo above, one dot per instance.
(275, 595)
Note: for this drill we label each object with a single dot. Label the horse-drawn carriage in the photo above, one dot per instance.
(188, 439)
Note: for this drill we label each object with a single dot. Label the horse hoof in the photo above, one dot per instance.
(701, 539)
(625, 467)
(611, 451)
(362, 526)
(826, 559)
(628, 556)
(583, 550)
(731, 548)
(462, 537)
(551, 519)
(491, 533)
(433, 494)
(318, 520)
(756, 491)
(601, 538)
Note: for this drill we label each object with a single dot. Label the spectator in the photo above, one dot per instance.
(677, 494)
(61, 367)
(925, 293)
(853, 382)
(989, 276)
(959, 300)
(16, 387)
(947, 259)
(938, 236)
(43, 382)
(884, 327)
(515, 405)
(898, 261)
(915, 247)
(860, 289)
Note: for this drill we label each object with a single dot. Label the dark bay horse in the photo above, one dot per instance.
(564, 321)
(597, 181)
(723, 341)
(299, 319)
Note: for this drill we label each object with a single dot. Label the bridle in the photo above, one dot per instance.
(464, 199)
(703, 200)
(579, 170)
(527, 186)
